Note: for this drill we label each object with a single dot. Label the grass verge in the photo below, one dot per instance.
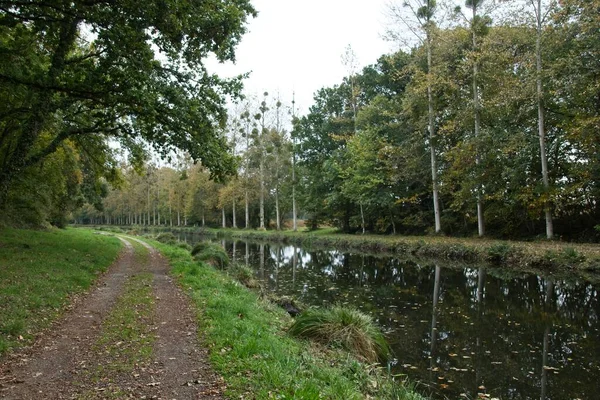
(250, 348)
(40, 270)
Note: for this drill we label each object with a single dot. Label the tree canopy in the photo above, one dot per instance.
(76, 73)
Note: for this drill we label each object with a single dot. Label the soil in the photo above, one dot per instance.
(58, 364)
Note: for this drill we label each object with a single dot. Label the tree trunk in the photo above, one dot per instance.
(362, 217)
(262, 192)
(477, 118)
(277, 208)
(541, 126)
(247, 210)
(223, 215)
(234, 223)
(431, 128)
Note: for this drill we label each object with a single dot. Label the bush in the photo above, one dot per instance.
(344, 327)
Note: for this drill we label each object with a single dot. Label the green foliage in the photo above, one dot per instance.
(39, 270)
(348, 328)
(58, 91)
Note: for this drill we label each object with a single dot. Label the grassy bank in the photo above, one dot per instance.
(250, 348)
(40, 270)
(538, 255)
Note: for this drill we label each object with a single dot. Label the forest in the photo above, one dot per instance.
(487, 123)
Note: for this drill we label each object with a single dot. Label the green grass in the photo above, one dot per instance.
(39, 270)
(249, 345)
(345, 327)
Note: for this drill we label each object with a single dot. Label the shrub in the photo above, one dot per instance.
(344, 327)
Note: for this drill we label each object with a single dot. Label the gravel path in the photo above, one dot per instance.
(58, 365)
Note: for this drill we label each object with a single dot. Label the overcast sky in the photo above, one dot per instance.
(296, 45)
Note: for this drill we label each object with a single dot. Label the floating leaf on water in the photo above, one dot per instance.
(466, 357)
(547, 368)
(452, 354)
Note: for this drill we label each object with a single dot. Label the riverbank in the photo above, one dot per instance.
(536, 256)
(249, 345)
(43, 272)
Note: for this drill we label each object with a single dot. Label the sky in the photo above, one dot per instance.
(295, 46)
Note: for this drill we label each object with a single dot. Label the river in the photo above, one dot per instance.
(462, 331)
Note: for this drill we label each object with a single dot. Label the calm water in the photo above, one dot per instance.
(460, 331)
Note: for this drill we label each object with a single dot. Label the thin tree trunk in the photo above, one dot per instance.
(541, 126)
(431, 128)
(362, 217)
(262, 191)
(277, 208)
(477, 118)
(223, 215)
(234, 221)
(247, 209)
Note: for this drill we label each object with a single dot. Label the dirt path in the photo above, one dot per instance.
(77, 361)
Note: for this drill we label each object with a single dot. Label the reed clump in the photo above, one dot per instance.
(211, 253)
(344, 327)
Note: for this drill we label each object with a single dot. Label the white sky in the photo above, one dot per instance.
(296, 45)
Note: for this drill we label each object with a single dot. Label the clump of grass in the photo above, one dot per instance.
(571, 256)
(166, 237)
(244, 275)
(184, 245)
(499, 252)
(211, 253)
(345, 327)
(199, 247)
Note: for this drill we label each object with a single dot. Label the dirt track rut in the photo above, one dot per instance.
(57, 366)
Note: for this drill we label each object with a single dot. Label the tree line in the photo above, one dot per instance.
(486, 123)
(483, 127)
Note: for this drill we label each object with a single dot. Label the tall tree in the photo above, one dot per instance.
(58, 84)
(419, 19)
(541, 11)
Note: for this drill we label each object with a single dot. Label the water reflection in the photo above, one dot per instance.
(459, 331)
